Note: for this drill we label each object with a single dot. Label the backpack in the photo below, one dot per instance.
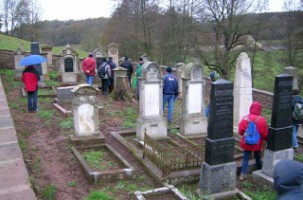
(251, 135)
(297, 113)
(101, 70)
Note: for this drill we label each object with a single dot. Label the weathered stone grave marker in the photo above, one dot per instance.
(193, 120)
(18, 69)
(218, 171)
(280, 131)
(151, 103)
(113, 51)
(86, 115)
(69, 66)
(242, 89)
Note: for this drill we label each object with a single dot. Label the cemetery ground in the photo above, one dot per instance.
(53, 169)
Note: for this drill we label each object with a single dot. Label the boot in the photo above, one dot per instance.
(242, 177)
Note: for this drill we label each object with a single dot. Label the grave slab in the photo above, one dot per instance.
(10, 151)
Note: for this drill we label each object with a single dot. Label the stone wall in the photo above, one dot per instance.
(7, 59)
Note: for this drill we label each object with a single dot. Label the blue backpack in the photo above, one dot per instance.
(251, 135)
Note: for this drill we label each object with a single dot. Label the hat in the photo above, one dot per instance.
(169, 69)
(140, 59)
(213, 76)
(90, 54)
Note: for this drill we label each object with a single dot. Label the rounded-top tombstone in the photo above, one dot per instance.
(151, 102)
(193, 120)
(85, 109)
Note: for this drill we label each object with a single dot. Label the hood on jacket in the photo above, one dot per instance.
(255, 108)
(288, 177)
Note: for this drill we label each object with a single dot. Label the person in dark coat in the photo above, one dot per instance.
(112, 67)
(254, 115)
(170, 92)
(127, 65)
(296, 98)
(288, 180)
(30, 78)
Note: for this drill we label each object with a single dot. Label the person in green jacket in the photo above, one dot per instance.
(138, 74)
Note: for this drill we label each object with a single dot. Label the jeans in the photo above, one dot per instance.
(170, 99)
(32, 98)
(294, 136)
(89, 79)
(246, 157)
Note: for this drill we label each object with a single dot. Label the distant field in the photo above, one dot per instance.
(11, 43)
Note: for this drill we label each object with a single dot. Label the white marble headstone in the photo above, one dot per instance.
(86, 123)
(194, 104)
(151, 101)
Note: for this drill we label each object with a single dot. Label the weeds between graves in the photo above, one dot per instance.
(67, 123)
(299, 157)
(98, 194)
(49, 192)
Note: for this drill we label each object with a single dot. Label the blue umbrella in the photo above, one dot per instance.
(32, 60)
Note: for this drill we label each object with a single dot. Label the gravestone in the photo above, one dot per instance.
(218, 171)
(193, 120)
(242, 89)
(293, 71)
(18, 69)
(98, 55)
(49, 53)
(65, 94)
(35, 50)
(151, 103)
(180, 74)
(69, 66)
(280, 131)
(113, 51)
(85, 110)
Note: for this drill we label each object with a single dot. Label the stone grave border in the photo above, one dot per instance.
(24, 93)
(97, 176)
(168, 188)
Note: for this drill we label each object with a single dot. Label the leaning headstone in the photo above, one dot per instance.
(218, 171)
(293, 71)
(18, 69)
(69, 66)
(65, 94)
(280, 131)
(151, 103)
(193, 120)
(242, 88)
(113, 51)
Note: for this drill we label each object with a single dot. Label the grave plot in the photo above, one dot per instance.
(46, 91)
(165, 193)
(102, 163)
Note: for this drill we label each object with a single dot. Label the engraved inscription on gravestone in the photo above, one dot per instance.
(68, 65)
(281, 115)
(221, 110)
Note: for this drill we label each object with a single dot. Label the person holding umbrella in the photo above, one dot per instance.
(30, 78)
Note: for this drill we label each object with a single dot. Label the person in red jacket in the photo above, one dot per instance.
(254, 115)
(30, 78)
(89, 68)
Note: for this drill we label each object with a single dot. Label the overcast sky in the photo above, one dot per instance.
(80, 9)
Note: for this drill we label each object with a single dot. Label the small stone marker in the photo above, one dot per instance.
(151, 103)
(85, 109)
(242, 89)
(65, 94)
(280, 131)
(193, 120)
(218, 171)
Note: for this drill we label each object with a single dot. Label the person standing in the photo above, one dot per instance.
(104, 73)
(30, 78)
(111, 79)
(138, 74)
(89, 68)
(296, 98)
(261, 125)
(127, 65)
(170, 92)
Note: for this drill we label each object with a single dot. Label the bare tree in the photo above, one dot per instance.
(224, 24)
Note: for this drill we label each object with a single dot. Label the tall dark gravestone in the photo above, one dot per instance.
(280, 131)
(35, 50)
(218, 171)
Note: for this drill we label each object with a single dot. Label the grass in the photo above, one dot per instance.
(98, 195)
(11, 43)
(94, 158)
(256, 192)
(67, 123)
(73, 184)
(130, 116)
(299, 157)
(45, 114)
(49, 192)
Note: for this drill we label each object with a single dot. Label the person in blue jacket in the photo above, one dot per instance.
(170, 92)
(288, 180)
